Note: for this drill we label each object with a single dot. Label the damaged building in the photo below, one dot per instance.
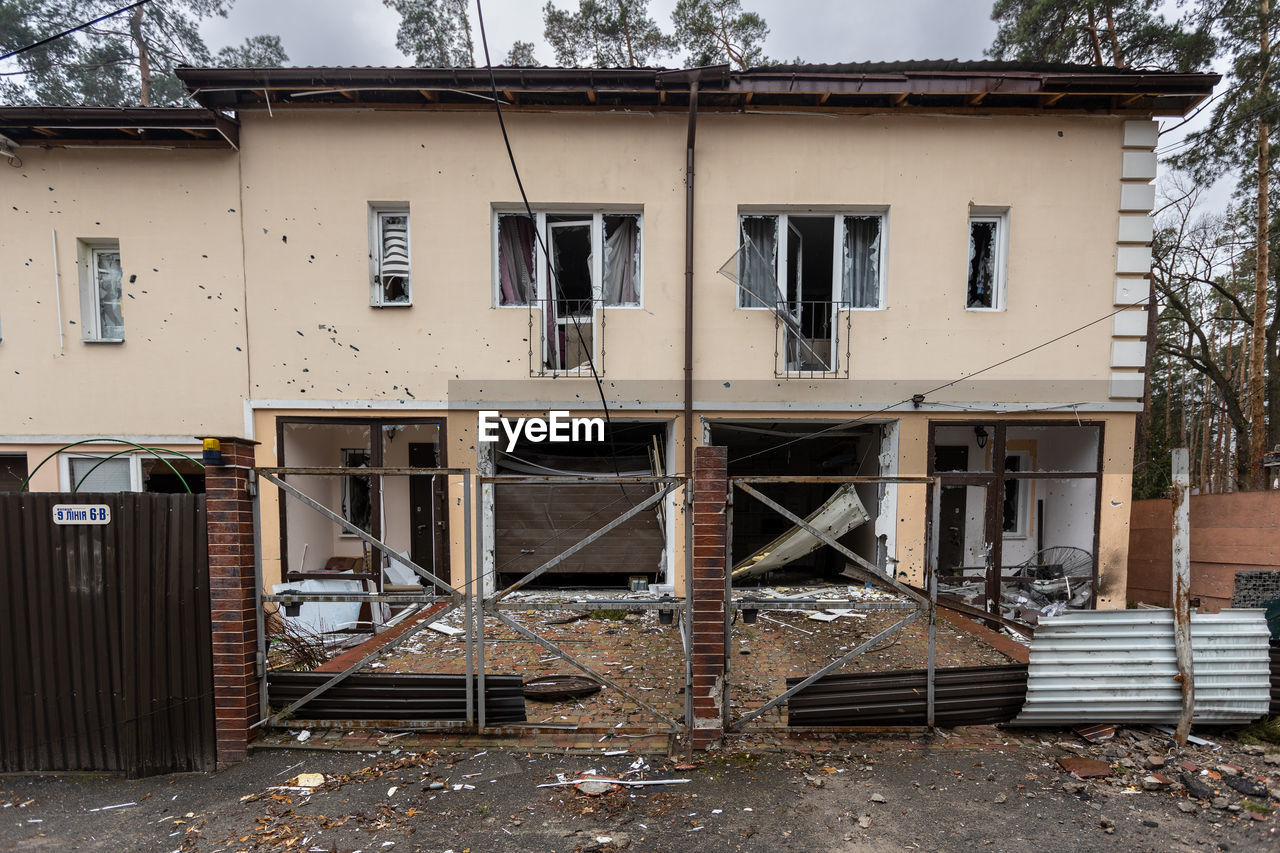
(903, 269)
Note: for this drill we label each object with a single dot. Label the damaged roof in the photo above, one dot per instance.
(166, 127)
(936, 86)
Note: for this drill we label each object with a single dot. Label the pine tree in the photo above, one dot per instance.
(718, 31)
(125, 60)
(436, 33)
(1121, 33)
(605, 33)
(1238, 139)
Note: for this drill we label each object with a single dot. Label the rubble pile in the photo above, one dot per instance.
(1221, 781)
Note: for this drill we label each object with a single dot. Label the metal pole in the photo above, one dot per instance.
(931, 665)
(687, 618)
(1182, 591)
(467, 591)
(728, 598)
(261, 617)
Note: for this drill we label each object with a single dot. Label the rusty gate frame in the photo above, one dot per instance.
(456, 598)
(922, 603)
(496, 603)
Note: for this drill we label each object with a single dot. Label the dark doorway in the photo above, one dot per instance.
(951, 539)
(426, 509)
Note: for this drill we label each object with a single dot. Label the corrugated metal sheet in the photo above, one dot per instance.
(398, 696)
(1275, 680)
(963, 696)
(1118, 666)
(106, 657)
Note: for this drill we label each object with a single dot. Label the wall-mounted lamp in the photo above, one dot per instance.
(980, 435)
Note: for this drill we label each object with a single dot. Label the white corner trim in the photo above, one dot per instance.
(1136, 229)
(1138, 165)
(1130, 324)
(1130, 291)
(1141, 134)
(1127, 386)
(1133, 259)
(1138, 197)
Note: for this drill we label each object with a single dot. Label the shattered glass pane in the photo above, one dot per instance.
(982, 264)
(108, 274)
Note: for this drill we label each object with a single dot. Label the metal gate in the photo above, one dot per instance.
(497, 604)
(914, 603)
(428, 701)
(383, 700)
(107, 623)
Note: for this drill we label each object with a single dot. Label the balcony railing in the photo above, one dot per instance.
(566, 336)
(812, 339)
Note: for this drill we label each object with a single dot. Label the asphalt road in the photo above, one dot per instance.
(890, 795)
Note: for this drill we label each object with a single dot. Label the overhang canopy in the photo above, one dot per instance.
(156, 127)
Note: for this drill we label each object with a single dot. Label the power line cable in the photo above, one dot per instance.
(555, 277)
(97, 20)
(919, 398)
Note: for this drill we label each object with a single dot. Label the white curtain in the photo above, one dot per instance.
(758, 263)
(621, 260)
(515, 259)
(860, 278)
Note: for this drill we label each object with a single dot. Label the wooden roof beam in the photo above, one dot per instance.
(428, 95)
(1050, 100)
(975, 100)
(899, 99)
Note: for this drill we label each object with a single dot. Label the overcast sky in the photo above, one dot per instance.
(363, 32)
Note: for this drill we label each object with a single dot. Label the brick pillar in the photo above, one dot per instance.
(710, 485)
(233, 598)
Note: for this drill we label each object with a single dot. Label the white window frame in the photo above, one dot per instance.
(133, 460)
(999, 216)
(541, 263)
(378, 211)
(837, 261)
(137, 479)
(87, 252)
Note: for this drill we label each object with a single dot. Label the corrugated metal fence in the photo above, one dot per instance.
(1118, 666)
(964, 696)
(107, 661)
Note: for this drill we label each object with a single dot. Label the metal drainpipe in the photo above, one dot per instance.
(688, 401)
(688, 276)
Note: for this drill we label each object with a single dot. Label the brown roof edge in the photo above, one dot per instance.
(917, 85)
(169, 126)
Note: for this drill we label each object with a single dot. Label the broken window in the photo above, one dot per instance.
(807, 269)
(13, 471)
(357, 504)
(1017, 495)
(986, 262)
(389, 257)
(101, 290)
(568, 265)
(516, 257)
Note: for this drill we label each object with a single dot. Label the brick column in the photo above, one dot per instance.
(710, 485)
(233, 598)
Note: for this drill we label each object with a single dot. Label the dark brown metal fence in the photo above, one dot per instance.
(107, 661)
(968, 695)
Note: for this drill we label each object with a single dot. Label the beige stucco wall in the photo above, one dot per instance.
(182, 367)
(309, 177)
